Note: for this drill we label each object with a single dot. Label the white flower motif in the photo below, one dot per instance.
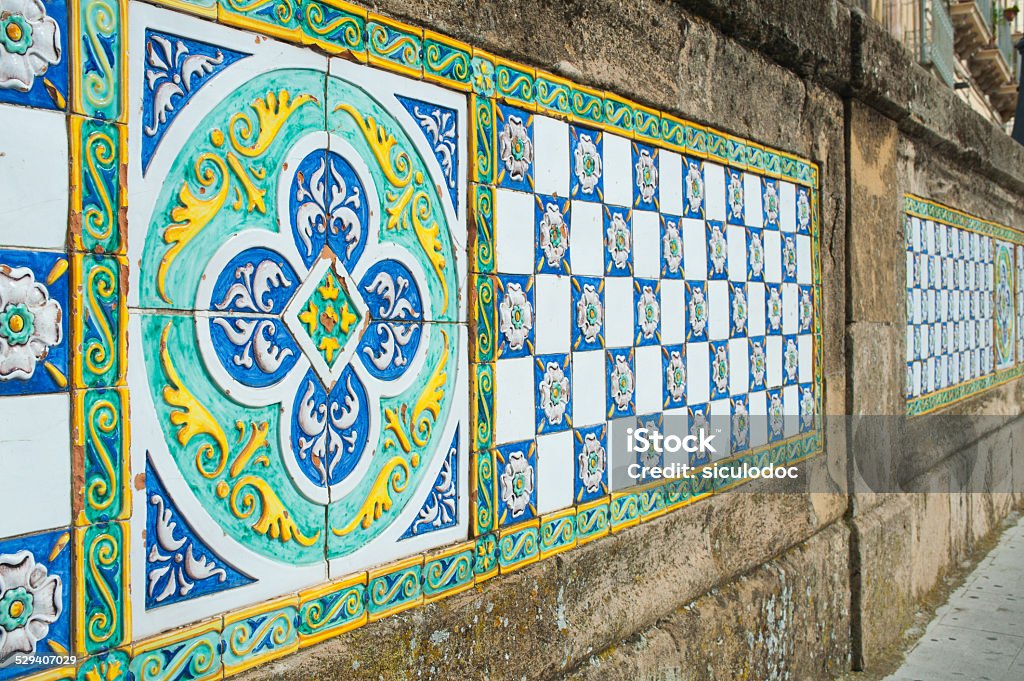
(791, 360)
(515, 316)
(807, 403)
(775, 309)
(758, 364)
(648, 312)
(739, 310)
(622, 383)
(30, 323)
(589, 313)
(735, 195)
(516, 148)
(803, 212)
(807, 309)
(650, 457)
(755, 255)
(771, 203)
(554, 393)
(675, 376)
(646, 176)
(717, 251)
(775, 419)
(554, 235)
(740, 423)
(29, 43)
(587, 164)
(699, 424)
(619, 242)
(592, 463)
(517, 483)
(698, 312)
(672, 247)
(694, 187)
(789, 257)
(720, 369)
(30, 601)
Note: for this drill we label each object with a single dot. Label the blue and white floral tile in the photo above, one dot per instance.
(674, 368)
(590, 462)
(671, 248)
(771, 203)
(618, 242)
(552, 375)
(35, 600)
(645, 177)
(34, 53)
(552, 237)
(646, 299)
(586, 164)
(516, 470)
(515, 148)
(587, 311)
(516, 318)
(34, 178)
(735, 201)
(33, 322)
(694, 193)
(621, 375)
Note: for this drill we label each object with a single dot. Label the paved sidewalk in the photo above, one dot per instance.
(978, 635)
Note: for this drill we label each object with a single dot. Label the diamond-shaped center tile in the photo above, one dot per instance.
(326, 316)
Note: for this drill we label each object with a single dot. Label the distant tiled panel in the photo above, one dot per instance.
(664, 286)
(963, 304)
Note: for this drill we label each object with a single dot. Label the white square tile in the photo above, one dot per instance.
(673, 311)
(555, 471)
(721, 425)
(676, 422)
(753, 212)
(554, 309)
(646, 244)
(649, 378)
(619, 456)
(514, 231)
(670, 182)
(33, 178)
(787, 207)
(618, 171)
(791, 410)
(514, 406)
(714, 187)
(35, 457)
(806, 344)
(551, 156)
(586, 238)
(695, 250)
(718, 310)
(790, 308)
(619, 312)
(803, 259)
(698, 373)
(772, 256)
(756, 302)
(736, 242)
(739, 366)
(588, 388)
(773, 358)
(758, 407)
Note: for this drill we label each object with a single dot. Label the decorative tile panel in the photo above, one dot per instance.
(962, 305)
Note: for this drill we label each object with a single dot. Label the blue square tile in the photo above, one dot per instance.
(516, 465)
(646, 297)
(770, 202)
(554, 403)
(790, 360)
(803, 211)
(719, 367)
(673, 363)
(773, 309)
(699, 416)
(35, 597)
(588, 313)
(776, 418)
(806, 407)
(621, 397)
(552, 240)
(806, 309)
(33, 322)
(586, 149)
(671, 248)
(645, 177)
(788, 258)
(696, 311)
(735, 205)
(740, 430)
(515, 152)
(718, 251)
(516, 319)
(652, 456)
(591, 463)
(34, 42)
(694, 196)
(755, 254)
(758, 363)
(738, 311)
(618, 242)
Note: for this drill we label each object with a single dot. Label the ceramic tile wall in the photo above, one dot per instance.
(374, 316)
(962, 315)
(36, 579)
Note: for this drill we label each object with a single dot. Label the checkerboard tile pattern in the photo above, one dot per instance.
(663, 286)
